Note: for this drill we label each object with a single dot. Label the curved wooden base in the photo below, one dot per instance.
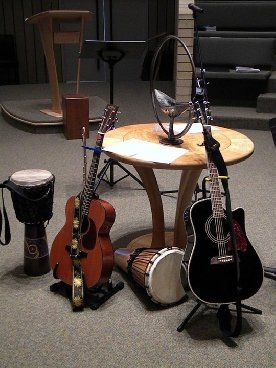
(56, 114)
(145, 241)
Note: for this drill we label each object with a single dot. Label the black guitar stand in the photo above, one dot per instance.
(93, 297)
(109, 165)
(270, 272)
(111, 52)
(212, 146)
(220, 317)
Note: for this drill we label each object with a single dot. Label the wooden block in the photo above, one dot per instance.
(75, 108)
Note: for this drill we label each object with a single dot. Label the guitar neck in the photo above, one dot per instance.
(88, 191)
(215, 192)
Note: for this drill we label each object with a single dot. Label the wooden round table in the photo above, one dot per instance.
(234, 146)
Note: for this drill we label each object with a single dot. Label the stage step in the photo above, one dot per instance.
(266, 103)
(271, 85)
(241, 117)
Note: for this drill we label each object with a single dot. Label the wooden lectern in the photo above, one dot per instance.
(48, 23)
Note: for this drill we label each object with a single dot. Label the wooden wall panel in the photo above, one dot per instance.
(19, 32)
(41, 74)
(159, 14)
(31, 62)
(2, 20)
(29, 43)
(8, 17)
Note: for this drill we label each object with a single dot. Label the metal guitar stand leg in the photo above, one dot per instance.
(109, 164)
(181, 327)
(96, 296)
(250, 309)
(270, 272)
(93, 297)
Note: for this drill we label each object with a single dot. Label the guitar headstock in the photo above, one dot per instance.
(108, 119)
(201, 106)
(201, 111)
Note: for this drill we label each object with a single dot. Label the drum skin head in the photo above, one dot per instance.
(164, 283)
(31, 177)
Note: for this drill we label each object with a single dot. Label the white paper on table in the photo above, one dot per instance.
(178, 127)
(146, 151)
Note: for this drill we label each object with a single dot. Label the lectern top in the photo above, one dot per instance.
(63, 15)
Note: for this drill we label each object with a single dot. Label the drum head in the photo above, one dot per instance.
(32, 177)
(164, 283)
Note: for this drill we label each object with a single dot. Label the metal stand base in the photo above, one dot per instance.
(162, 192)
(182, 326)
(109, 164)
(270, 272)
(171, 141)
(93, 297)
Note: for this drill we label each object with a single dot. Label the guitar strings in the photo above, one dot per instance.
(216, 200)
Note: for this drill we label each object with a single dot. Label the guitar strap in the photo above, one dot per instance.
(77, 287)
(76, 254)
(224, 316)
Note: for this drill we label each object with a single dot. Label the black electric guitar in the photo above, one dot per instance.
(211, 272)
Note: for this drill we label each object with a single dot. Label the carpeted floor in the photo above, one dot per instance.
(38, 328)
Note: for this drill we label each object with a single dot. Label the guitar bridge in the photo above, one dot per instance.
(222, 260)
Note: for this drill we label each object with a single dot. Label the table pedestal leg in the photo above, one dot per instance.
(159, 238)
(46, 33)
(158, 224)
(187, 185)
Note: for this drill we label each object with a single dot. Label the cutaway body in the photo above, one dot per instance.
(95, 245)
(212, 275)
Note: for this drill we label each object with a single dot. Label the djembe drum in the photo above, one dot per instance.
(32, 194)
(156, 270)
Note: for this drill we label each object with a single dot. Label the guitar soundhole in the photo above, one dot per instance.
(84, 225)
(217, 230)
(89, 233)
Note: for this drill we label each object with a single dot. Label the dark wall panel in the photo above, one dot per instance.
(90, 69)
(135, 19)
(29, 43)
(19, 32)
(2, 21)
(31, 65)
(41, 76)
(8, 16)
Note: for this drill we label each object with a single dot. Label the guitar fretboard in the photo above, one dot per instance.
(215, 192)
(88, 191)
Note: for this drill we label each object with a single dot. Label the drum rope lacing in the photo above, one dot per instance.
(132, 257)
(7, 231)
(136, 253)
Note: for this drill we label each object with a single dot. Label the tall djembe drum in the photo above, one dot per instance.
(32, 193)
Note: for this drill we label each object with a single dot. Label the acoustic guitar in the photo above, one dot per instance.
(211, 272)
(84, 238)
